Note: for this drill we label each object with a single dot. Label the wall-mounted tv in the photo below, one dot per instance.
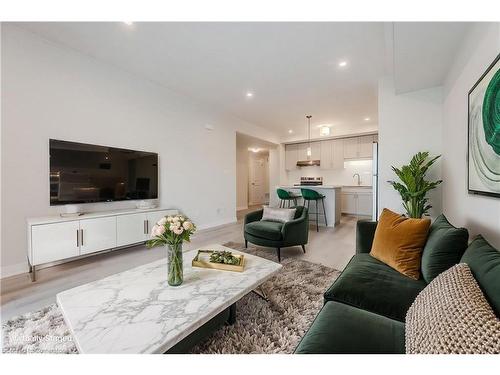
(84, 173)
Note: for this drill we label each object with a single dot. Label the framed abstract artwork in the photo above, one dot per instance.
(483, 156)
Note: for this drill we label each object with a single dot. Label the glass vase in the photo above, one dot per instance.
(174, 264)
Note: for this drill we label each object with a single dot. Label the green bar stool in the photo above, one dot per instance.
(312, 195)
(286, 197)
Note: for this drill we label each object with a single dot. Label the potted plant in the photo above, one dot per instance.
(413, 187)
(172, 231)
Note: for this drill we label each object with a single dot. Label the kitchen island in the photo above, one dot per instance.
(332, 195)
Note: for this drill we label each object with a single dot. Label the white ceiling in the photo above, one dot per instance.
(424, 52)
(292, 68)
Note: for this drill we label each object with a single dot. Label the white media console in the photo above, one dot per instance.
(56, 238)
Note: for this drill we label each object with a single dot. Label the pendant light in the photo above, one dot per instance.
(309, 153)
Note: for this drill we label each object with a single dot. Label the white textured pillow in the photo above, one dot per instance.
(451, 316)
(281, 215)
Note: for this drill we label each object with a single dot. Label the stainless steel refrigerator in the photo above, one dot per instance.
(375, 182)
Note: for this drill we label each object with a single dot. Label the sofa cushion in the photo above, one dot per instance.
(484, 262)
(343, 329)
(265, 229)
(399, 242)
(451, 316)
(371, 285)
(444, 247)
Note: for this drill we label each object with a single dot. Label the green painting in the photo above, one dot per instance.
(484, 133)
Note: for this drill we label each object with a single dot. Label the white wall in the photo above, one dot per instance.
(408, 123)
(338, 176)
(479, 214)
(50, 91)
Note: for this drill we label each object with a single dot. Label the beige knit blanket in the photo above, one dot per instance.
(452, 316)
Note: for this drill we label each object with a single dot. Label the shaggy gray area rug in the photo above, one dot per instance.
(295, 296)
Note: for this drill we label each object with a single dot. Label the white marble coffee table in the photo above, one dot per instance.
(136, 311)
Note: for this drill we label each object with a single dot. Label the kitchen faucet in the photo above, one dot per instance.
(359, 178)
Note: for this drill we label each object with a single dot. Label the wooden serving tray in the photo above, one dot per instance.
(201, 260)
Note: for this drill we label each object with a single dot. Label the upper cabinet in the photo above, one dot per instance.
(332, 152)
(351, 148)
(358, 147)
(326, 155)
(315, 151)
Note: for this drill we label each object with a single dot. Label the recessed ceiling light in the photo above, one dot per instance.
(249, 94)
(367, 119)
(290, 131)
(342, 64)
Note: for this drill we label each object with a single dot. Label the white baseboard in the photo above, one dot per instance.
(14, 269)
(215, 225)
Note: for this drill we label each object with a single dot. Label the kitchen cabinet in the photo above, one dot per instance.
(95, 234)
(332, 154)
(350, 148)
(365, 205)
(365, 146)
(291, 156)
(315, 151)
(358, 147)
(326, 155)
(357, 201)
(55, 241)
(338, 154)
(348, 202)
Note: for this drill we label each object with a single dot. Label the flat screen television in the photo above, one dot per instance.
(84, 173)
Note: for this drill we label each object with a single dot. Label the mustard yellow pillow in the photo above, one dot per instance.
(399, 242)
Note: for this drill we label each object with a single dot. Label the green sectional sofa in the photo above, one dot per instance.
(365, 308)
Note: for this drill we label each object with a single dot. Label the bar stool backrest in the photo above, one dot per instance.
(309, 194)
(283, 194)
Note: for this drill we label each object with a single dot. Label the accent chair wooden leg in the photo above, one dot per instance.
(246, 244)
(279, 254)
(303, 248)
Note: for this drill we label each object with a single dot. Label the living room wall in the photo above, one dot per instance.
(480, 214)
(49, 91)
(408, 123)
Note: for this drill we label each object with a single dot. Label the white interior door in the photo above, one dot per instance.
(257, 177)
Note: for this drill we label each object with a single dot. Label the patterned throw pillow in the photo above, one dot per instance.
(281, 215)
(451, 316)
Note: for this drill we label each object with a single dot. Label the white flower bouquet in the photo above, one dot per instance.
(172, 232)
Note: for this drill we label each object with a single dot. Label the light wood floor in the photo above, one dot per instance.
(332, 247)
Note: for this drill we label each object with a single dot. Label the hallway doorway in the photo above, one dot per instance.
(254, 158)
